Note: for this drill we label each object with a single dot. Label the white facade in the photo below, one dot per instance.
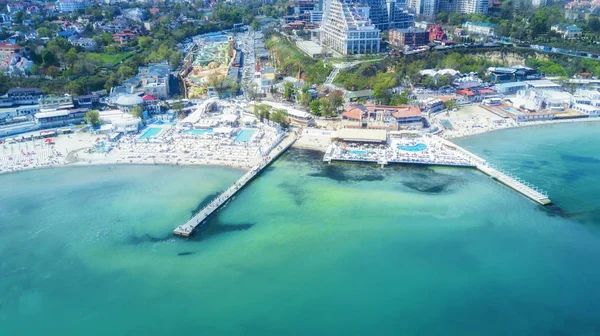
(473, 6)
(69, 6)
(480, 28)
(346, 28)
(590, 110)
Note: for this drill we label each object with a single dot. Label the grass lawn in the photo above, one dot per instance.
(109, 60)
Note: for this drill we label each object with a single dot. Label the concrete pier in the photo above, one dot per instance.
(187, 229)
(449, 154)
(512, 182)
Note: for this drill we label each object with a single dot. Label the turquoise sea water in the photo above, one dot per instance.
(308, 248)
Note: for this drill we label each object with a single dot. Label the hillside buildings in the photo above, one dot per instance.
(411, 37)
(480, 28)
(69, 6)
(150, 80)
(429, 8)
(567, 31)
(347, 28)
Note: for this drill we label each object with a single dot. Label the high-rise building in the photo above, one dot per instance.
(378, 13)
(69, 6)
(347, 29)
(473, 6)
(426, 8)
(399, 16)
(429, 8)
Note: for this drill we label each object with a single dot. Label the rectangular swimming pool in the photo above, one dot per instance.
(513, 111)
(150, 133)
(244, 135)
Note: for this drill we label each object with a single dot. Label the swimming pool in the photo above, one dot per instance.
(414, 148)
(244, 135)
(198, 131)
(513, 111)
(358, 152)
(150, 132)
(447, 124)
(162, 122)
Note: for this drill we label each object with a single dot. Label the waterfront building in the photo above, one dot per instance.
(55, 102)
(58, 118)
(592, 111)
(127, 102)
(510, 88)
(347, 29)
(18, 113)
(69, 6)
(591, 94)
(150, 80)
(480, 28)
(88, 100)
(408, 37)
(512, 74)
(371, 116)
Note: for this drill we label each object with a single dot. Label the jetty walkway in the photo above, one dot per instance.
(510, 181)
(187, 229)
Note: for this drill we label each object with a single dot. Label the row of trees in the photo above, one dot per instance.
(266, 112)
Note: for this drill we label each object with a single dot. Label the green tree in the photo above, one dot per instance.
(315, 107)
(455, 19)
(254, 25)
(336, 101)
(137, 111)
(52, 71)
(450, 104)
(280, 116)
(288, 90)
(92, 117)
(178, 108)
(48, 58)
(71, 56)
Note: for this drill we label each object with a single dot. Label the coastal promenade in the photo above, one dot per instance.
(278, 148)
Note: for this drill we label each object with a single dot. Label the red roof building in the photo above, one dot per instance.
(436, 33)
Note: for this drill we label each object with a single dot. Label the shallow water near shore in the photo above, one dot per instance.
(309, 248)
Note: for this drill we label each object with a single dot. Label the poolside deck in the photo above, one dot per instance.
(278, 148)
(446, 153)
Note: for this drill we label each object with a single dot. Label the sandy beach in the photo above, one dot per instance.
(171, 147)
(472, 120)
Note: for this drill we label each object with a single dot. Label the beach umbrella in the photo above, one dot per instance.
(48, 140)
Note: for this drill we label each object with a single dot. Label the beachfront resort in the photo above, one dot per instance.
(216, 133)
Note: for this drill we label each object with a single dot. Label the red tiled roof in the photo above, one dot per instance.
(352, 112)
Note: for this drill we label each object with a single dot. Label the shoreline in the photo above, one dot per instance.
(527, 124)
(108, 164)
(306, 142)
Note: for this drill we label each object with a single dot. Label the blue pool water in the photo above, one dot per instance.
(150, 133)
(244, 135)
(416, 148)
(358, 152)
(162, 122)
(198, 131)
(513, 111)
